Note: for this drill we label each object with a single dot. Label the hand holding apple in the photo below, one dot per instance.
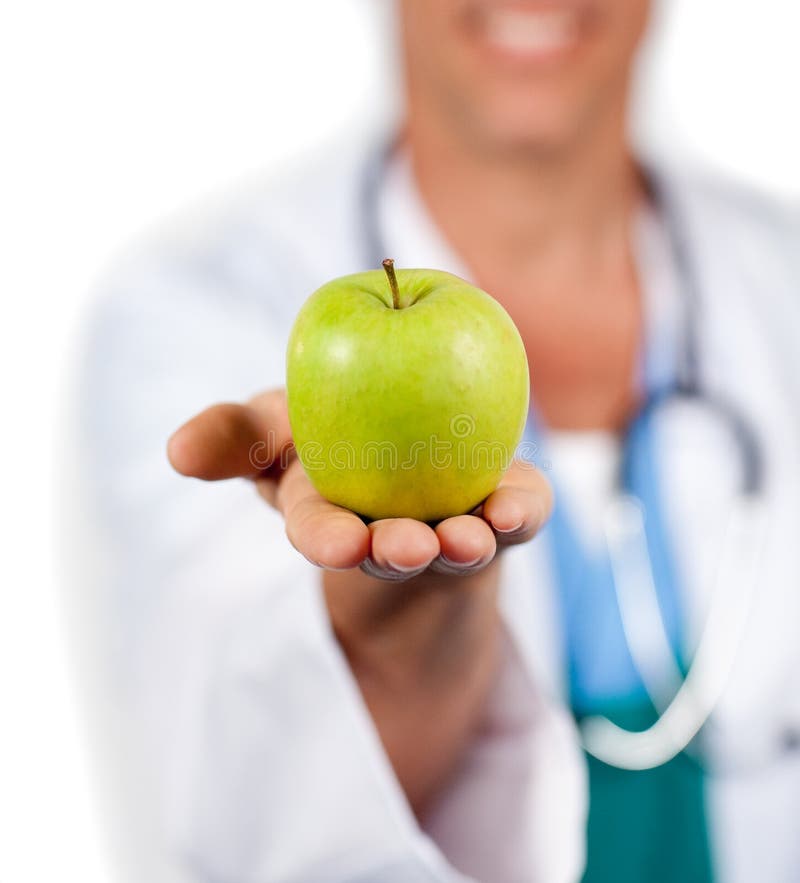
(217, 444)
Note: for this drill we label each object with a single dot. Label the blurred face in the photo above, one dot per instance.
(520, 74)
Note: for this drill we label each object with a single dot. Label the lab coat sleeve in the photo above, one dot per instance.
(517, 809)
(263, 764)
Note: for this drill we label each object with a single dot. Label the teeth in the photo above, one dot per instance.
(528, 31)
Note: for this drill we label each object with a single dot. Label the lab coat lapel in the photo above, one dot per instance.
(740, 365)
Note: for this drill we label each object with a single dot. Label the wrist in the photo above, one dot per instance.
(425, 655)
(420, 633)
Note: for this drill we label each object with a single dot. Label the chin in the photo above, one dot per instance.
(538, 127)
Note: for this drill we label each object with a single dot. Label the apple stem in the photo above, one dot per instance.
(388, 265)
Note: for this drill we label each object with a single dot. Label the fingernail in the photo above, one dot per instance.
(389, 571)
(400, 568)
(461, 565)
(514, 529)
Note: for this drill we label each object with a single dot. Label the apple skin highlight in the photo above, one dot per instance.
(413, 411)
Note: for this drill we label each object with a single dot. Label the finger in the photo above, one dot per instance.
(520, 506)
(229, 440)
(327, 535)
(401, 548)
(467, 544)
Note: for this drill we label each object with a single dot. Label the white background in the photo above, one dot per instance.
(114, 114)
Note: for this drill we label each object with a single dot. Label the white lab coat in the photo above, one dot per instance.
(261, 758)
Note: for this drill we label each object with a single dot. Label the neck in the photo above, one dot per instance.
(527, 208)
(549, 235)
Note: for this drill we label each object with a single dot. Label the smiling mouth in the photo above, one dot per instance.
(531, 33)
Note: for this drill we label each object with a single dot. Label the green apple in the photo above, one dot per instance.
(407, 392)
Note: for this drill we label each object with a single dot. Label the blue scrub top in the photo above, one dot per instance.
(599, 665)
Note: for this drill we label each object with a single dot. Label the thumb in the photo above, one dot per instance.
(233, 441)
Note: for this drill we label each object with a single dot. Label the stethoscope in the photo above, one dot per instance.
(684, 704)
